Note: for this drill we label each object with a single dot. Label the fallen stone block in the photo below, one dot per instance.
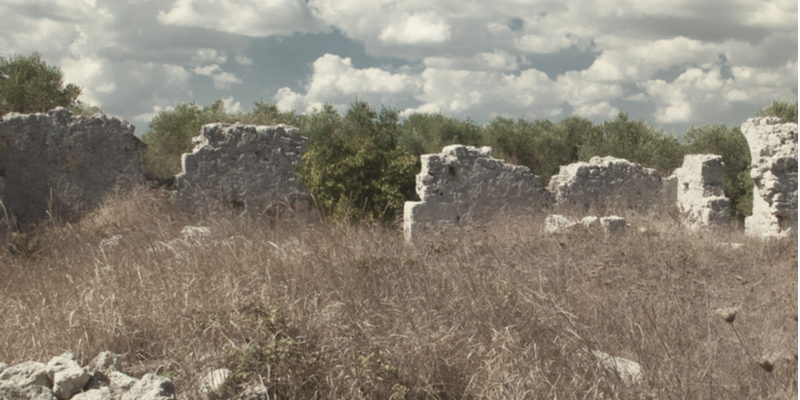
(57, 163)
(555, 223)
(463, 185)
(101, 393)
(35, 392)
(608, 184)
(29, 373)
(67, 375)
(120, 383)
(151, 387)
(629, 371)
(244, 168)
(700, 194)
(107, 361)
(773, 150)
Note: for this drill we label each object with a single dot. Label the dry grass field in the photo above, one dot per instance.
(331, 311)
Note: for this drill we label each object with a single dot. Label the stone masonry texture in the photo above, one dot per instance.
(773, 150)
(56, 162)
(244, 168)
(465, 184)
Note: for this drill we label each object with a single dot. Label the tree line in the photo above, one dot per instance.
(362, 165)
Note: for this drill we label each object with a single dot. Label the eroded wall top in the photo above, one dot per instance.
(607, 183)
(466, 184)
(60, 162)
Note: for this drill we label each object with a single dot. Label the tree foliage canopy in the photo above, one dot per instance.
(29, 85)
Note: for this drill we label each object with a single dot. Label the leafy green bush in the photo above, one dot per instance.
(541, 145)
(780, 108)
(634, 141)
(354, 167)
(28, 85)
(429, 133)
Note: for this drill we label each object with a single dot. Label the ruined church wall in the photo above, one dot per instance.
(608, 184)
(700, 191)
(63, 163)
(773, 150)
(463, 185)
(244, 168)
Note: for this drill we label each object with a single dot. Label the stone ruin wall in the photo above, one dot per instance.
(773, 150)
(700, 193)
(607, 184)
(64, 163)
(59, 162)
(244, 168)
(464, 184)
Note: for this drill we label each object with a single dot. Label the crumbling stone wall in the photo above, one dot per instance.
(700, 191)
(246, 168)
(607, 183)
(773, 149)
(466, 184)
(59, 162)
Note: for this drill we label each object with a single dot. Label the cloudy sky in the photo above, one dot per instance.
(673, 63)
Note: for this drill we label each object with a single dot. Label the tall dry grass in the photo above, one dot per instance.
(332, 311)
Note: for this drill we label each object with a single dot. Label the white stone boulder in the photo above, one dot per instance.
(151, 387)
(463, 184)
(29, 373)
(629, 371)
(244, 168)
(67, 375)
(607, 184)
(700, 195)
(773, 150)
(107, 361)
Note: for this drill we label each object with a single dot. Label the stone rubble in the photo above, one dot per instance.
(244, 168)
(463, 185)
(773, 150)
(700, 191)
(64, 379)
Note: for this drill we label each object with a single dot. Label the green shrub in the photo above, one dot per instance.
(634, 141)
(354, 167)
(780, 108)
(29, 85)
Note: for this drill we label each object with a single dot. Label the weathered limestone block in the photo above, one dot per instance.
(607, 183)
(59, 162)
(67, 375)
(700, 194)
(107, 361)
(629, 371)
(151, 387)
(555, 223)
(245, 168)
(465, 184)
(29, 373)
(773, 149)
